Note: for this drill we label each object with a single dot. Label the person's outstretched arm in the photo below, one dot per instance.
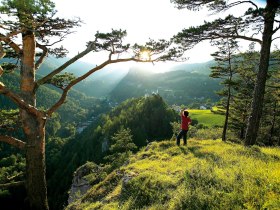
(181, 112)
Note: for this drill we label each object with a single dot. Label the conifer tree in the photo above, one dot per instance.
(247, 64)
(256, 22)
(121, 147)
(225, 69)
(269, 134)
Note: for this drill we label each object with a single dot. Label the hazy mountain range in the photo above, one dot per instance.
(181, 83)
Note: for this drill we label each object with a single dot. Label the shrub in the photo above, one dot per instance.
(9, 161)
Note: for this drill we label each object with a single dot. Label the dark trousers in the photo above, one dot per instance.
(183, 133)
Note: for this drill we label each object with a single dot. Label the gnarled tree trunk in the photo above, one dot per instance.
(34, 129)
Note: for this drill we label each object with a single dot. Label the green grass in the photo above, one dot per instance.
(205, 175)
(207, 118)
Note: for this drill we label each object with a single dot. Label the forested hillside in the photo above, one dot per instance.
(78, 108)
(176, 87)
(147, 118)
(61, 127)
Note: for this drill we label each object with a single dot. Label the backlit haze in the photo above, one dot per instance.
(156, 19)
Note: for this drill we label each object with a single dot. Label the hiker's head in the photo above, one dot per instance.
(186, 113)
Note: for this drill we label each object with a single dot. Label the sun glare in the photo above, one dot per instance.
(145, 55)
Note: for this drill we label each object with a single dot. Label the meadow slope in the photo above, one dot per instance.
(207, 174)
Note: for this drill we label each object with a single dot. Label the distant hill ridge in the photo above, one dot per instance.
(181, 84)
(176, 87)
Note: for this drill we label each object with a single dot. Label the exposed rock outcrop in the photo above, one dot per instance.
(84, 177)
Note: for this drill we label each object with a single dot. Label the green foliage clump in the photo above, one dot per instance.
(12, 170)
(11, 166)
(121, 148)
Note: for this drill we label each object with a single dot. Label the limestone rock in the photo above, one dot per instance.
(84, 177)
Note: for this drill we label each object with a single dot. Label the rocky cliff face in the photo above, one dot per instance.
(84, 177)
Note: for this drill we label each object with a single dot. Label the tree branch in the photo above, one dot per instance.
(237, 36)
(13, 184)
(276, 29)
(61, 68)
(275, 38)
(2, 52)
(77, 80)
(18, 100)
(241, 2)
(212, 4)
(42, 57)
(220, 28)
(9, 42)
(15, 176)
(13, 141)
(272, 86)
(2, 55)
(61, 38)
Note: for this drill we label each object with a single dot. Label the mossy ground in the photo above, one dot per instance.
(206, 174)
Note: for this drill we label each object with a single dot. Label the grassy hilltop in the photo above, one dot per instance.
(206, 174)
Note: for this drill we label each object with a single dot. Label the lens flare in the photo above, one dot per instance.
(145, 55)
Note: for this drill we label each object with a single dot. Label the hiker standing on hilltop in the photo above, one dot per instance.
(185, 121)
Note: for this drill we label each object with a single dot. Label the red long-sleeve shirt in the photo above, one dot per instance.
(185, 121)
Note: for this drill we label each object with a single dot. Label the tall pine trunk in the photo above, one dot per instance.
(34, 129)
(270, 138)
(259, 90)
(243, 127)
(227, 114)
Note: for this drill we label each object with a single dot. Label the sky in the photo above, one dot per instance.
(156, 19)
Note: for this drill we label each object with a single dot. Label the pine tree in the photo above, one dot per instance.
(245, 79)
(255, 21)
(225, 70)
(121, 148)
(269, 134)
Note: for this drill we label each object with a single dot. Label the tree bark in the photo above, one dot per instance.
(34, 129)
(36, 185)
(259, 90)
(270, 138)
(243, 127)
(227, 115)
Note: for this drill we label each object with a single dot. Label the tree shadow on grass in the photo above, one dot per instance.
(195, 150)
(184, 150)
(256, 153)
